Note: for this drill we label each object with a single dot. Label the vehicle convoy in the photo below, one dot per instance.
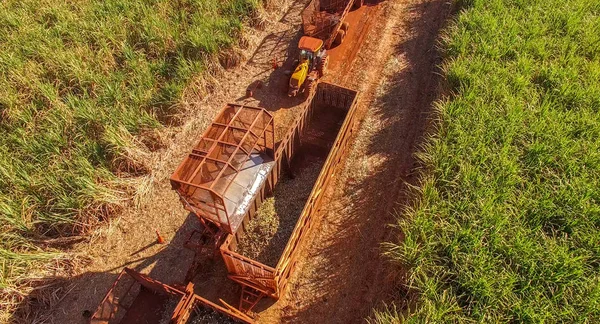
(234, 167)
(324, 26)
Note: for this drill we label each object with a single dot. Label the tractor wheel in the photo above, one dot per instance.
(339, 37)
(345, 25)
(311, 87)
(357, 4)
(322, 68)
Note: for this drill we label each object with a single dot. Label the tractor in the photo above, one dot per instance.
(312, 64)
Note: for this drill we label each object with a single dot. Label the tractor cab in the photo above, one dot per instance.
(312, 63)
(306, 55)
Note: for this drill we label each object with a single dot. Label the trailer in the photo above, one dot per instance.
(325, 19)
(324, 130)
(137, 298)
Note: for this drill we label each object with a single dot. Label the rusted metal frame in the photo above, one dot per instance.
(286, 148)
(258, 136)
(235, 150)
(247, 271)
(323, 29)
(194, 209)
(205, 134)
(200, 212)
(118, 304)
(291, 142)
(300, 122)
(183, 303)
(206, 157)
(127, 292)
(253, 145)
(137, 278)
(215, 144)
(216, 207)
(248, 107)
(213, 205)
(189, 301)
(268, 286)
(214, 160)
(339, 97)
(222, 142)
(237, 313)
(264, 284)
(234, 127)
(254, 263)
(259, 115)
(152, 284)
(287, 261)
(182, 314)
(249, 299)
(196, 301)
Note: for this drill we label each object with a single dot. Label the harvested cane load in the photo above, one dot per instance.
(269, 231)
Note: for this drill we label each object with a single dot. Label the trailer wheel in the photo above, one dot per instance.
(323, 65)
(357, 4)
(345, 25)
(339, 37)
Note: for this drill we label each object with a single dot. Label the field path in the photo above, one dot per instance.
(342, 275)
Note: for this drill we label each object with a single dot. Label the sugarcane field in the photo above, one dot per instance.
(299, 161)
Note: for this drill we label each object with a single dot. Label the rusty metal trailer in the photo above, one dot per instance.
(137, 298)
(324, 19)
(256, 278)
(218, 180)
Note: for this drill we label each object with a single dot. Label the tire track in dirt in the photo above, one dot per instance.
(342, 275)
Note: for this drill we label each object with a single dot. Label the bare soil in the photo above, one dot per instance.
(342, 275)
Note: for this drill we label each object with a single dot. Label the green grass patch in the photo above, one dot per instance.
(78, 81)
(508, 226)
